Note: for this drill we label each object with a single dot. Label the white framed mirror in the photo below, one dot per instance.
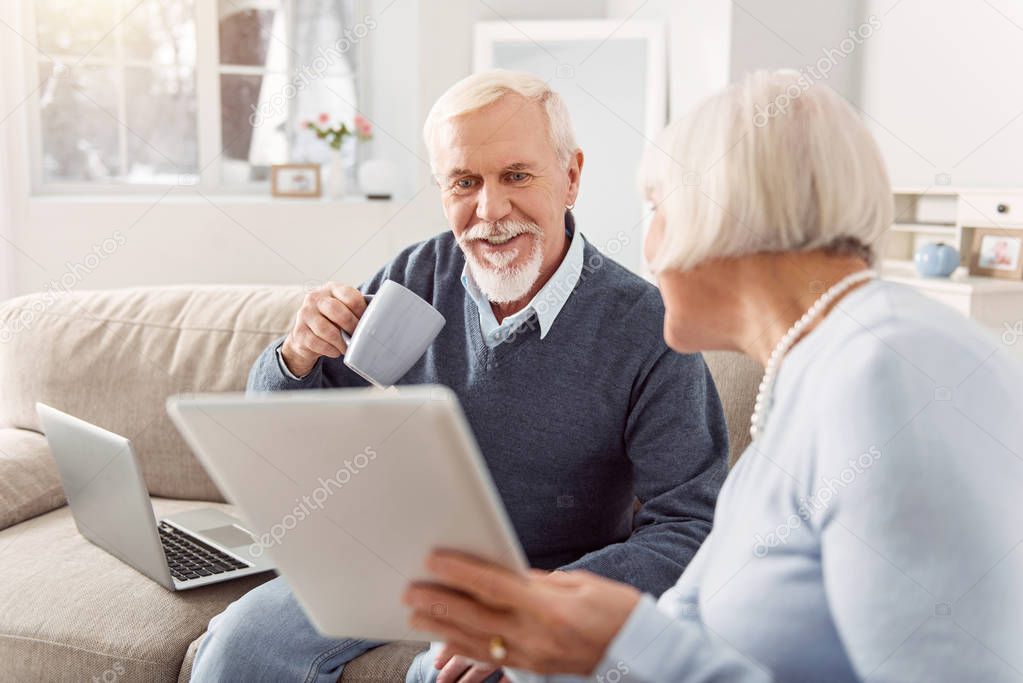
(612, 76)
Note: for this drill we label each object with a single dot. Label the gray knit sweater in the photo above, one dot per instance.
(576, 426)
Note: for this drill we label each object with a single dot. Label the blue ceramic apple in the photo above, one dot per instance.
(936, 259)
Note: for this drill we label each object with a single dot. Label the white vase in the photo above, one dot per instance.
(376, 178)
(335, 176)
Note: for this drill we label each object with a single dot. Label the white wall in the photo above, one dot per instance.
(239, 240)
(7, 252)
(14, 164)
(938, 82)
(493, 10)
(8, 170)
(796, 34)
(942, 82)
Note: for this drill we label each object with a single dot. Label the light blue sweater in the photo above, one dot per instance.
(874, 531)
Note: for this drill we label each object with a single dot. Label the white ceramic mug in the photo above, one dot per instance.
(393, 333)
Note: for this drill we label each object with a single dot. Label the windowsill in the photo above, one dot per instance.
(205, 198)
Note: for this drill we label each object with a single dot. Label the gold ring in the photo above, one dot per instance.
(498, 651)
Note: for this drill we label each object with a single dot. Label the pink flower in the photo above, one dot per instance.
(363, 126)
(324, 117)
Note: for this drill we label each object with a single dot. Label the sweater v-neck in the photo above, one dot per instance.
(527, 334)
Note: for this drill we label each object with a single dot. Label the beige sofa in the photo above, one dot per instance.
(68, 610)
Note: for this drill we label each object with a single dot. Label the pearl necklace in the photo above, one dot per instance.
(764, 398)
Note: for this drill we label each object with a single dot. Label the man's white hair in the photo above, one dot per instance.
(772, 163)
(480, 89)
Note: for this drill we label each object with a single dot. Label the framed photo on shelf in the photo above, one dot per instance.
(295, 180)
(997, 253)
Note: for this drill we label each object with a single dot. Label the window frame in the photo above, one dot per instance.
(208, 125)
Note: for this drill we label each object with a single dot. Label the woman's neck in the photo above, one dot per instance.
(777, 289)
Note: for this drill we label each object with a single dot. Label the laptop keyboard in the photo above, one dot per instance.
(189, 558)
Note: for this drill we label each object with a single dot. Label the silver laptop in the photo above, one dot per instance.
(111, 507)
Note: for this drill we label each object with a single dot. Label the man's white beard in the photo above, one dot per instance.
(499, 281)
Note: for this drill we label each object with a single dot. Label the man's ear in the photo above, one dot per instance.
(575, 170)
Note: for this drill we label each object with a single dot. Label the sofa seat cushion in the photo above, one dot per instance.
(69, 611)
(29, 483)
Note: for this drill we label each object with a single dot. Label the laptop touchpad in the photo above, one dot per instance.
(228, 536)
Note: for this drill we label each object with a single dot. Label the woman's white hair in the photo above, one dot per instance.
(772, 163)
(480, 89)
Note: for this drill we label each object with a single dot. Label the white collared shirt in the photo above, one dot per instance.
(547, 303)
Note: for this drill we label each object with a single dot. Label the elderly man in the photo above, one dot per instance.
(557, 355)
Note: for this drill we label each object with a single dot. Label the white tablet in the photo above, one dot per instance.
(348, 490)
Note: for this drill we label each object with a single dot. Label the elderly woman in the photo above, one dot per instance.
(873, 527)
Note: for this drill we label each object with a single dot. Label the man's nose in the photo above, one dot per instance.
(493, 203)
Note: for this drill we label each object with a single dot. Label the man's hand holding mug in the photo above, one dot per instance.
(381, 336)
(317, 331)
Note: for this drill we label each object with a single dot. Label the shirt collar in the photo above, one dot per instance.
(548, 302)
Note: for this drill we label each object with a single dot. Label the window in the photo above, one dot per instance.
(142, 74)
(161, 92)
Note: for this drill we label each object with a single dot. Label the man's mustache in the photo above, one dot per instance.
(483, 231)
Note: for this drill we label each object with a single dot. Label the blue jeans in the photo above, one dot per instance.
(265, 636)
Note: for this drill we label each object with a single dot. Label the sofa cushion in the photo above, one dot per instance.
(113, 357)
(69, 611)
(29, 483)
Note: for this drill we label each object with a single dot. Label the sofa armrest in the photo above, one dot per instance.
(29, 482)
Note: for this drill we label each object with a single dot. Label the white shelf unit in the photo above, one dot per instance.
(921, 215)
(950, 215)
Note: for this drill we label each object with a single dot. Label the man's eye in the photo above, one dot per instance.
(465, 183)
(518, 177)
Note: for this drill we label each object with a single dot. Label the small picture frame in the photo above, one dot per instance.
(997, 253)
(295, 180)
